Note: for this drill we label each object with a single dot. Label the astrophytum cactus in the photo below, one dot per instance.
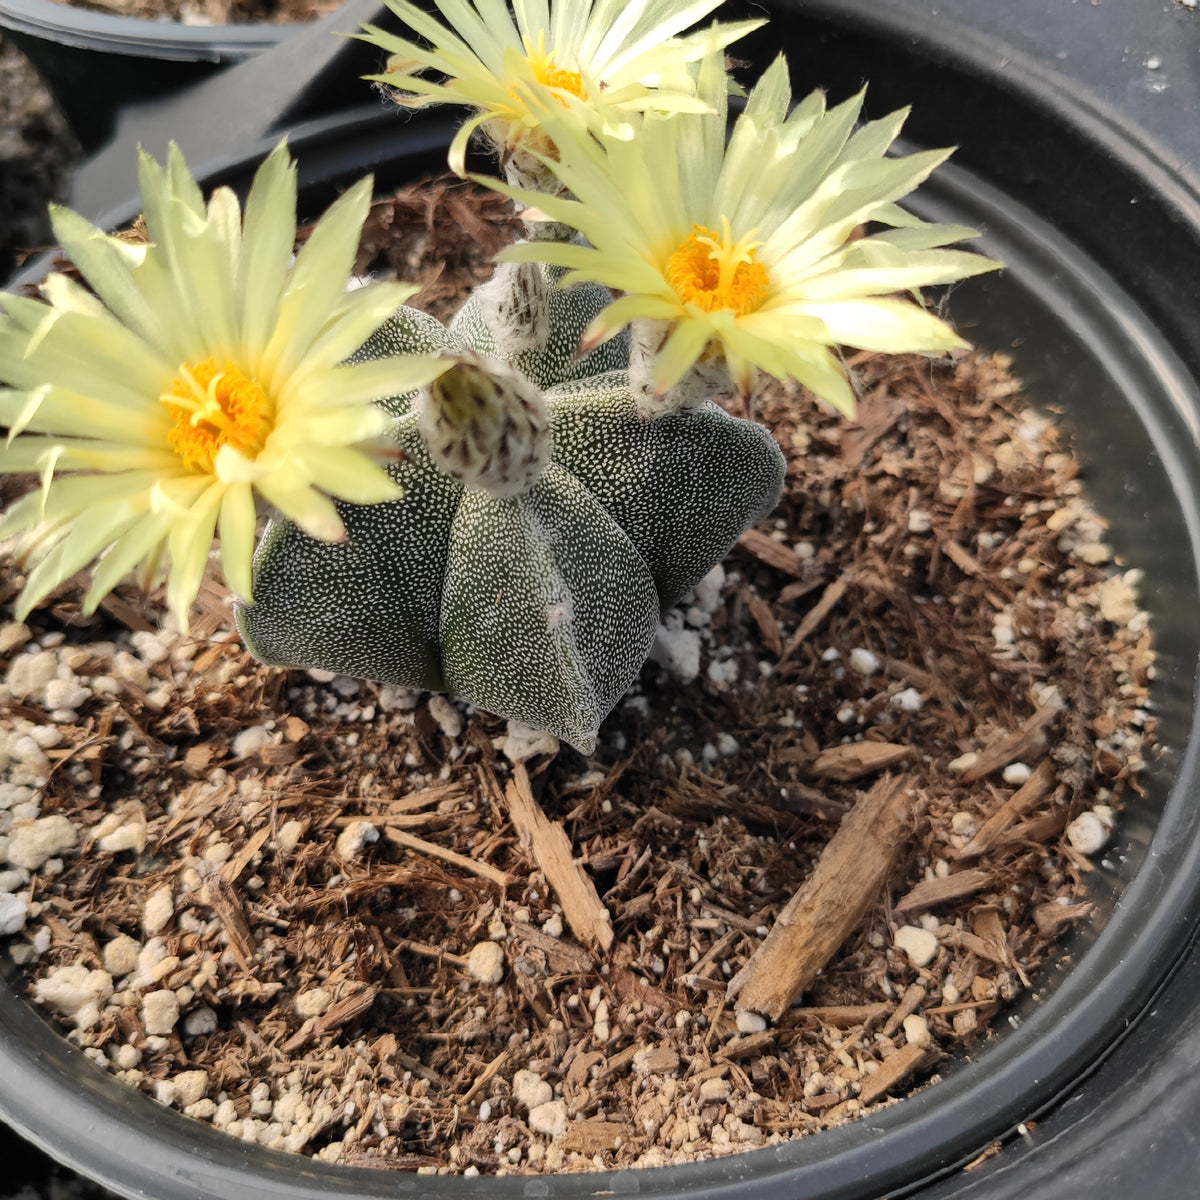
(542, 606)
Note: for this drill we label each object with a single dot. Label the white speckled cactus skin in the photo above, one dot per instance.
(541, 607)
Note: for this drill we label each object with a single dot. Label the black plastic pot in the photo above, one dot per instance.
(95, 64)
(1100, 309)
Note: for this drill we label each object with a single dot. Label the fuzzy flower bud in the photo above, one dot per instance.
(515, 306)
(485, 425)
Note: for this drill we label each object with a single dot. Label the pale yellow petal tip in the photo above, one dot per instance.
(321, 525)
(182, 615)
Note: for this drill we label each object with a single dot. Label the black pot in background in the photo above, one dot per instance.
(1100, 309)
(95, 64)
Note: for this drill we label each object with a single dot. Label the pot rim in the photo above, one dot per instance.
(139, 37)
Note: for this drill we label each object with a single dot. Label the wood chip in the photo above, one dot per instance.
(400, 838)
(749, 1045)
(767, 622)
(232, 871)
(223, 899)
(593, 1136)
(1016, 745)
(1031, 793)
(840, 1016)
(340, 1013)
(1050, 918)
(894, 1070)
(563, 957)
(830, 598)
(856, 759)
(551, 849)
(768, 550)
(929, 893)
(835, 897)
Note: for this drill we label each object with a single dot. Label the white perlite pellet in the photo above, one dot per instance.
(1017, 773)
(354, 839)
(678, 652)
(708, 590)
(13, 880)
(549, 1119)
(916, 1030)
(250, 741)
(75, 992)
(47, 837)
(751, 1022)
(863, 661)
(29, 673)
(289, 836)
(727, 745)
(920, 946)
(313, 1002)
(448, 717)
(160, 908)
(530, 1090)
(13, 912)
(120, 956)
(485, 963)
(1090, 831)
(726, 671)
(522, 742)
(190, 1086)
(117, 834)
(200, 1021)
(160, 1012)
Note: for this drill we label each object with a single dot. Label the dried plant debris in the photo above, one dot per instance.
(381, 928)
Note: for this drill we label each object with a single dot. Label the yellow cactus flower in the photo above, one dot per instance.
(201, 370)
(745, 257)
(616, 53)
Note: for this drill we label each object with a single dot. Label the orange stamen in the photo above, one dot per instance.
(214, 407)
(714, 272)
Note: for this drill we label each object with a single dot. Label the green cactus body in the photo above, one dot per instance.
(541, 607)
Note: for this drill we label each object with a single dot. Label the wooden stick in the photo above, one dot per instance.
(815, 615)
(856, 759)
(1035, 789)
(929, 893)
(894, 1069)
(830, 903)
(400, 838)
(768, 550)
(1025, 737)
(550, 848)
(840, 1016)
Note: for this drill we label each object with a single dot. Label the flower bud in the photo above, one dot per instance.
(485, 425)
(515, 306)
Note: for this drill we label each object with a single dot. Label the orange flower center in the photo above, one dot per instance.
(713, 272)
(545, 72)
(541, 63)
(214, 407)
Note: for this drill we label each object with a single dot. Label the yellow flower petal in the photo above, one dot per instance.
(235, 526)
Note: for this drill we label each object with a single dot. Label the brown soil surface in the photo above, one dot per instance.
(324, 915)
